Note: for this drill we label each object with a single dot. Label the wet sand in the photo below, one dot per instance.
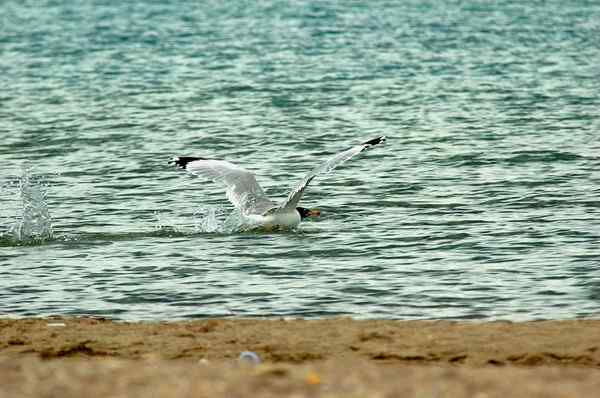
(74, 357)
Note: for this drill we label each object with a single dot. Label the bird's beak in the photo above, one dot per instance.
(314, 212)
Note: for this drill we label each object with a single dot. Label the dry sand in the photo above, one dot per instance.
(77, 357)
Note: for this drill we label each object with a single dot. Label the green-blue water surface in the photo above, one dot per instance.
(484, 203)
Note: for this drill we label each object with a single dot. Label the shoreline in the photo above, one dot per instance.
(314, 357)
(562, 342)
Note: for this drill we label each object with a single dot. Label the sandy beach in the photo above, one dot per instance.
(73, 357)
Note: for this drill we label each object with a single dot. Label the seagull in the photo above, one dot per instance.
(244, 192)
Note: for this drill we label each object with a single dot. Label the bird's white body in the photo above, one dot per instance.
(288, 219)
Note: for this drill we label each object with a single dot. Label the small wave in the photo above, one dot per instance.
(8, 240)
(475, 159)
(522, 157)
(468, 159)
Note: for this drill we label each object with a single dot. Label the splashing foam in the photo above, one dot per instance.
(33, 222)
(217, 220)
(206, 220)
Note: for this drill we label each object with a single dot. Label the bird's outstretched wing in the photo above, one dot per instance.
(296, 194)
(242, 188)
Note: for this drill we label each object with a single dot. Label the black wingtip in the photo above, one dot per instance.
(375, 141)
(182, 161)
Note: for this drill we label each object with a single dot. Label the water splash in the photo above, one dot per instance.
(207, 220)
(164, 226)
(217, 220)
(33, 222)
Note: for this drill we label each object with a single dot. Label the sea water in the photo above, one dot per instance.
(483, 204)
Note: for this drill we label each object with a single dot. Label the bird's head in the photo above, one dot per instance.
(304, 212)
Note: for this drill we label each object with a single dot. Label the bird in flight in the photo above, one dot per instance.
(244, 192)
